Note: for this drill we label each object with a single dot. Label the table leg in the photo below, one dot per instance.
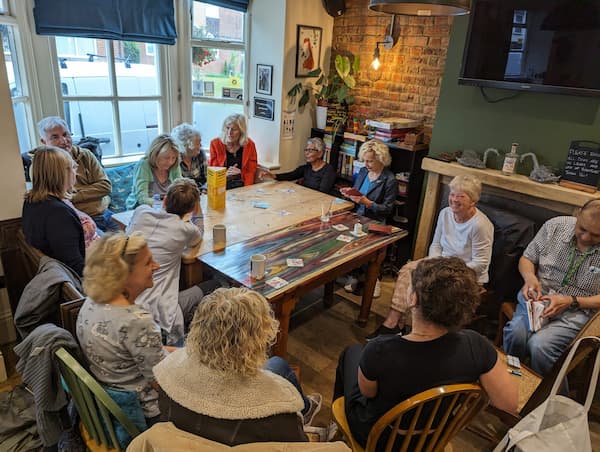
(328, 294)
(367, 298)
(283, 309)
(191, 274)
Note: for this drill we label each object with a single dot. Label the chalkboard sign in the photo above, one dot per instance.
(583, 164)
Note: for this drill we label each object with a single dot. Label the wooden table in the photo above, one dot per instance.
(289, 203)
(324, 256)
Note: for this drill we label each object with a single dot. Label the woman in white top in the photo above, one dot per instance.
(463, 231)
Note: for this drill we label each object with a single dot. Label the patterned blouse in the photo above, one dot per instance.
(197, 169)
(122, 344)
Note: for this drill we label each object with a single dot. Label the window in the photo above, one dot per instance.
(17, 81)
(514, 64)
(218, 54)
(111, 90)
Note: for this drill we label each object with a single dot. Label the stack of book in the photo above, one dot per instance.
(391, 129)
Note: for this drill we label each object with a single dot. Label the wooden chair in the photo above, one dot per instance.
(95, 407)
(433, 417)
(69, 310)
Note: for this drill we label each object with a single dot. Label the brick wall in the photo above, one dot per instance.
(408, 81)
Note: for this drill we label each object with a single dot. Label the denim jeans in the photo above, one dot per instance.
(281, 367)
(546, 345)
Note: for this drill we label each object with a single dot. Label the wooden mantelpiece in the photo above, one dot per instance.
(517, 187)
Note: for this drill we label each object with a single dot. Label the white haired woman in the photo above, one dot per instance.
(222, 387)
(316, 173)
(462, 231)
(235, 151)
(155, 171)
(193, 160)
(119, 339)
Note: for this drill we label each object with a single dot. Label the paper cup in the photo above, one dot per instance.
(219, 235)
(258, 266)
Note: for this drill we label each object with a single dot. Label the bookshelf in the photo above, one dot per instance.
(342, 154)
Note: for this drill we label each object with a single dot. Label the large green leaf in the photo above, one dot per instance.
(356, 65)
(304, 99)
(342, 65)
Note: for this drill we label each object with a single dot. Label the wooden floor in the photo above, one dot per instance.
(317, 337)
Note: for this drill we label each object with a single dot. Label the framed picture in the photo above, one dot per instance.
(264, 108)
(308, 49)
(264, 79)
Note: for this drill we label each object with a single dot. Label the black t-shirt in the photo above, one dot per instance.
(403, 368)
(234, 159)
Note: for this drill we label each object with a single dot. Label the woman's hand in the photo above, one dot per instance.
(263, 173)
(360, 200)
(233, 171)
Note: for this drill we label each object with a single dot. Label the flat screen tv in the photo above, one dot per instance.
(535, 45)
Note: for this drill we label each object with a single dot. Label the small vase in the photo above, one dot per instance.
(321, 117)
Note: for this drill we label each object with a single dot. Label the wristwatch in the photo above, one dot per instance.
(574, 303)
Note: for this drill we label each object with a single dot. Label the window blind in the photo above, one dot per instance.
(237, 5)
(125, 20)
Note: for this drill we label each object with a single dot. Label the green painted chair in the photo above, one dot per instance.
(95, 407)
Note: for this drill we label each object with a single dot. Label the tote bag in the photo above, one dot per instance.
(559, 424)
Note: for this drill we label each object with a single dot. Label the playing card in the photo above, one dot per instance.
(359, 234)
(340, 227)
(276, 282)
(261, 205)
(344, 238)
(295, 263)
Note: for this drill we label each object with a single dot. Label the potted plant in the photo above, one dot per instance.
(333, 88)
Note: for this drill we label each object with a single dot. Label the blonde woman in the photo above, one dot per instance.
(119, 339)
(155, 171)
(463, 231)
(193, 160)
(235, 151)
(218, 386)
(375, 182)
(50, 223)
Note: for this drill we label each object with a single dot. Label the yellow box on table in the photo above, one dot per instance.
(216, 187)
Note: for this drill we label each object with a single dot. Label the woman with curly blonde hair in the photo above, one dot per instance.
(119, 339)
(222, 385)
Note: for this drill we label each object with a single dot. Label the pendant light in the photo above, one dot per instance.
(422, 7)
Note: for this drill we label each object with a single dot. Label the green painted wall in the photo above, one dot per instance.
(541, 123)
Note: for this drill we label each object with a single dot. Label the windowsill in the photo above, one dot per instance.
(109, 162)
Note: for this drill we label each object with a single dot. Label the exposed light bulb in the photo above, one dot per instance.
(375, 64)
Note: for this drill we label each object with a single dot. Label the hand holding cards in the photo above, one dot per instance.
(350, 191)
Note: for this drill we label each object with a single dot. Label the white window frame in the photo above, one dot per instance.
(114, 99)
(24, 69)
(186, 41)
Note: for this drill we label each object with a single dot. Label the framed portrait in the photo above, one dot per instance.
(308, 49)
(264, 108)
(264, 79)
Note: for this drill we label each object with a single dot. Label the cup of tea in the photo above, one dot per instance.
(219, 235)
(258, 266)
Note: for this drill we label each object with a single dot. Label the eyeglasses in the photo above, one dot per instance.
(311, 150)
(125, 247)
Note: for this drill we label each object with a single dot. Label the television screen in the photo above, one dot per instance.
(536, 45)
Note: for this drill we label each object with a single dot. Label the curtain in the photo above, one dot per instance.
(237, 5)
(125, 20)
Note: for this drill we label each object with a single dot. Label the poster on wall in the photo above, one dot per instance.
(308, 49)
(288, 119)
(264, 108)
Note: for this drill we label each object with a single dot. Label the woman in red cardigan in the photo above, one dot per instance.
(235, 151)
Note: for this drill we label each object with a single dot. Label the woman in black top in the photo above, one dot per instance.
(391, 368)
(50, 224)
(316, 173)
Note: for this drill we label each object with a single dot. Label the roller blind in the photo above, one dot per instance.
(237, 5)
(125, 20)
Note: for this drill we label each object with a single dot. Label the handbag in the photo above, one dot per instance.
(559, 423)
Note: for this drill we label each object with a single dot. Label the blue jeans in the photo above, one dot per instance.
(546, 345)
(280, 367)
(105, 223)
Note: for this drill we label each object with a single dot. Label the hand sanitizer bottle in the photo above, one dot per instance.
(510, 160)
(156, 202)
